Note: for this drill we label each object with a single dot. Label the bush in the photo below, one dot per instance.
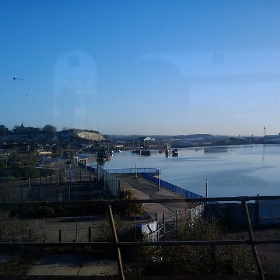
(191, 259)
(11, 229)
(205, 259)
(129, 209)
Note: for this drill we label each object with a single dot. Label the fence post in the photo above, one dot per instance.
(176, 224)
(163, 222)
(252, 239)
(89, 234)
(77, 230)
(206, 186)
(43, 230)
(21, 191)
(113, 226)
(59, 236)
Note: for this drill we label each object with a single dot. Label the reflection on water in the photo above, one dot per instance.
(241, 170)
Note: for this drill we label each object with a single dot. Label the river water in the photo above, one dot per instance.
(245, 170)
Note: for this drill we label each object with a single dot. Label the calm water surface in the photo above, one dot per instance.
(231, 171)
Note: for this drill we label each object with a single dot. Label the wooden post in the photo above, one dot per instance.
(113, 226)
(252, 239)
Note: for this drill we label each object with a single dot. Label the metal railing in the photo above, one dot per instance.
(118, 244)
(170, 187)
(133, 170)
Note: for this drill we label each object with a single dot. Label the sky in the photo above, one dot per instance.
(142, 67)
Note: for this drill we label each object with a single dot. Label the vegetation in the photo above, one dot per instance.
(19, 171)
(12, 229)
(129, 209)
(185, 260)
(204, 259)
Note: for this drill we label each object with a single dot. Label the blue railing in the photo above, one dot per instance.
(148, 174)
(133, 170)
(170, 187)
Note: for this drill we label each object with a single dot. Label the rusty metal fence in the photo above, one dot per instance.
(118, 245)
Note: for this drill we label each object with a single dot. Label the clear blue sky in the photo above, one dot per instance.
(141, 66)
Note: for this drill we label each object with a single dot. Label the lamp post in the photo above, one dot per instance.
(68, 163)
(206, 188)
(159, 178)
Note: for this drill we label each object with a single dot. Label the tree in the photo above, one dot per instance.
(130, 209)
(16, 129)
(49, 129)
(3, 130)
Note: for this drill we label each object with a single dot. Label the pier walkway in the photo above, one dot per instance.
(143, 189)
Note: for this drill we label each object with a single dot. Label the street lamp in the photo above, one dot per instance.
(68, 163)
(159, 178)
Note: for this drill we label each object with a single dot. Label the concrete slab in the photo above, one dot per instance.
(74, 265)
(95, 267)
(57, 265)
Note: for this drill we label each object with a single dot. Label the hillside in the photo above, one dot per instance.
(79, 133)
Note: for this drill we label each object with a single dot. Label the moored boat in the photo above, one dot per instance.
(103, 155)
(175, 153)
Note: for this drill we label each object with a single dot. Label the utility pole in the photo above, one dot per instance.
(68, 163)
(206, 188)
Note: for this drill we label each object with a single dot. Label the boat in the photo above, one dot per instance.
(141, 151)
(145, 152)
(175, 153)
(103, 155)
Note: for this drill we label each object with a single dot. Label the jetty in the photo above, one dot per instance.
(146, 190)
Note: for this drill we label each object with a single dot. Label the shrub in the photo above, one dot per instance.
(129, 209)
(205, 259)
(11, 229)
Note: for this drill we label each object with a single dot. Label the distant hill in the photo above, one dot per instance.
(64, 135)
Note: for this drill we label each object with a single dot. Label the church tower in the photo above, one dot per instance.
(21, 126)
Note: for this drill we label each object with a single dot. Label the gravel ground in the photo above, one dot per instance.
(269, 255)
